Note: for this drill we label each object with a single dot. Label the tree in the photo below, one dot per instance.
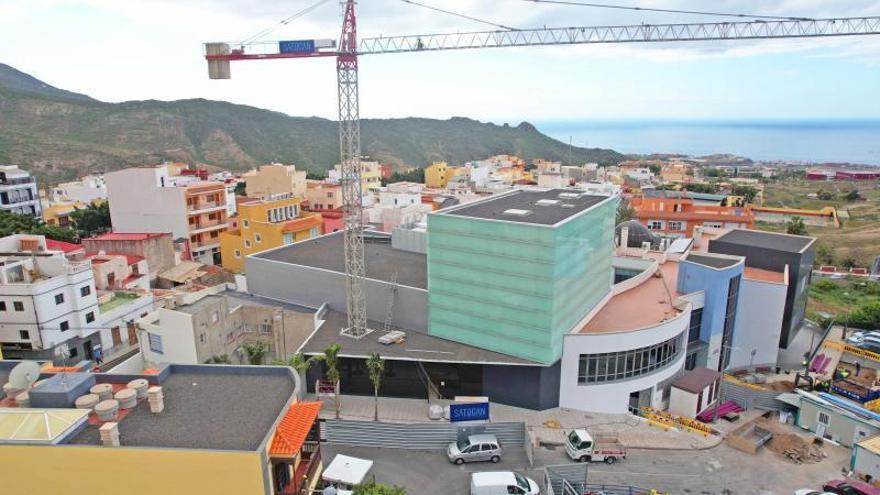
(12, 223)
(256, 352)
(654, 168)
(221, 359)
(852, 195)
(824, 254)
(624, 211)
(866, 317)
(796, 226)
(824, 195)
(373, 488)
(315, 175)
(331, 370)
(411, 175)
(376, 366)
(92, 220)
(300, 364)
(241, 188)
(747, 192)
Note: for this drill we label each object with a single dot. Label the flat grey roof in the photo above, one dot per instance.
(219, 409)
(712, 261)
(240, 298)
(380, 260)
(199, 305)
(418, 346)
(766, 240)
(494, 207)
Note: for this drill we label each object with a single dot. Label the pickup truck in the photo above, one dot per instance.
(580, 446)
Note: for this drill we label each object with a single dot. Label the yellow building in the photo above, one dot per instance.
(275, 181)
(265, 225)
(437, 175)
(371, 176)
(265, 445)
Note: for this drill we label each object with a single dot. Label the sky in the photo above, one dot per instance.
(116, 50)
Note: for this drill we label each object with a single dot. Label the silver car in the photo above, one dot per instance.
(474, 448)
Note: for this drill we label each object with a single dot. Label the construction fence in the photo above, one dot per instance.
(418, 436)
(572, 479)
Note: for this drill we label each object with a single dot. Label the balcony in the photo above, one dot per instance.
(17, 182)
(204, 207)
(305, 472)
(199, 227)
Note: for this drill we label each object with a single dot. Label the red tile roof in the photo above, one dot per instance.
(133, 258)
(67, 247)
(127, 236)
(294, 427)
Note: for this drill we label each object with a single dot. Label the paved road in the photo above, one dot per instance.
(718, 471)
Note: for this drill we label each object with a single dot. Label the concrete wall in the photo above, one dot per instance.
(531, 387)
(865, 462)
(758, 323)
(139, 204)
(613, 397)
(134, 471)
(313, 287)
(158, 250)
(178, 341)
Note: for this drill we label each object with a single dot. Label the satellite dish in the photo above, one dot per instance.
(24, 374)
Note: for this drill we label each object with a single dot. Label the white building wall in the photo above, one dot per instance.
(178, 338)
(758, 323)
(139, 203)
(613, 397)
(866, 462)
(120, 316)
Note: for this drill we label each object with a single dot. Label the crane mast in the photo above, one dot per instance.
(220, 54)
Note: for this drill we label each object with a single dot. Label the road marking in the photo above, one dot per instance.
(645, 474)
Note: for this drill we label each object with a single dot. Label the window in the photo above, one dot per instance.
(258, 238)
(2, 306)
(823, 418)
(59, 298)
(696, 325)
(237, 254)
(655, 225)
(155, 342)
(245, 223)
(247, 243)
(202, 338)
(85, 290)
(313, 232)
(729, 321)
(24, 335)
(64, 326)
(265, 328)
(90, 316)
(18, 305)
(215, 317)
(72, 351)
(676, 226)
(614, 366)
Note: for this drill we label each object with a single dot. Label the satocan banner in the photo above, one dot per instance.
(472, 411)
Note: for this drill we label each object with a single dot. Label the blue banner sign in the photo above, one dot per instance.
(296, 46)
(474, 411)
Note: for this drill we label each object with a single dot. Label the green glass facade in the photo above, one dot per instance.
(515, 287)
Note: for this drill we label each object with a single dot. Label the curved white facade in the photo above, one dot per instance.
(614, 396)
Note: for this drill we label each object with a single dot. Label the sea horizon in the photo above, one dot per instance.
(814, 140)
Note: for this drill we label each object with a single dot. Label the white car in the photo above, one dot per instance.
(502, 483)
(808, 491)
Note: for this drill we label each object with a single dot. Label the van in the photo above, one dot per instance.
(474, 448)
(502, 483)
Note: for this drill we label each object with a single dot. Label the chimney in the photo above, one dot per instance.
(110, 434)
(156, 399)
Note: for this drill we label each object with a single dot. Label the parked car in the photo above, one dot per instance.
(850, 487)
(580, 446)
(474, 448)
(810, 491)
(856, 338)
(502, 483)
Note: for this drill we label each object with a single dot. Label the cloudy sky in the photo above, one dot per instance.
(117, 50)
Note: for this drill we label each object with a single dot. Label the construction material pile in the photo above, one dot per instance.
(796, 449)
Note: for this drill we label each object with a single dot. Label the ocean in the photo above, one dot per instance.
(854, 141)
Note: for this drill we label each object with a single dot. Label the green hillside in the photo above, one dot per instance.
(61, 135)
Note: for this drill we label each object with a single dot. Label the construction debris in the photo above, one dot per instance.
(794, 448)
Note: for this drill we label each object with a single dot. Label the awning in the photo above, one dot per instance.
(294, 428)
(790, 399)
(348, 470)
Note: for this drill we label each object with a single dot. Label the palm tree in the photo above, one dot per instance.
(376, 366)
(300, 364)
(331, 373)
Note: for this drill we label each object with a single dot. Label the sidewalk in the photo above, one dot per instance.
(548, 427)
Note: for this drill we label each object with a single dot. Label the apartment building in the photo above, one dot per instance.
(151, 200)
(677, 217)
(86, 190)
(156, 248)
(323, 195)
(437, 175)
(371, 176)
(267, 224)
(46, 301)
(275, 181)
(18, 192)
(396, 207)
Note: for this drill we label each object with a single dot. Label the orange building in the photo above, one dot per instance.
(677, 217)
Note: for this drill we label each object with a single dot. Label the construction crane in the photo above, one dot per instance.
(348, 49)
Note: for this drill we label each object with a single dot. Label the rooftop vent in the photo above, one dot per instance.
(567, 205)
(569, 195)
(515, 212)
(547, 202)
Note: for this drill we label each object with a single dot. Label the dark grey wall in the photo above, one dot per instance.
(531, 387)
(799, 272)
(313, 287)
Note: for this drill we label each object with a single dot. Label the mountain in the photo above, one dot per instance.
(60, 135)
